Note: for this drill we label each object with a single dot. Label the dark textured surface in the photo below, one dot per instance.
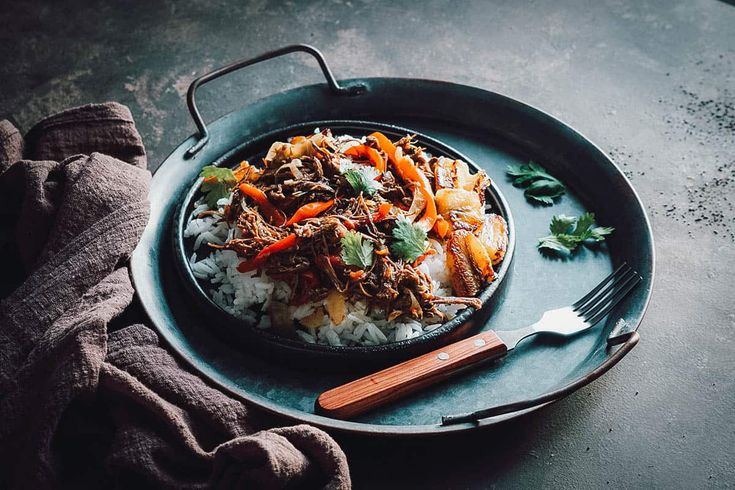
(651, 83)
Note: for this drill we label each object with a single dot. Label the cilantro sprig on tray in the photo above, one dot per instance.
(567, 232)
(541, 187)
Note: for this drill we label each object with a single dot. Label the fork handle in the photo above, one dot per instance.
(359, 396)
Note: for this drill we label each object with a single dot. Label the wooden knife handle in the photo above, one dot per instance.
(359, 396)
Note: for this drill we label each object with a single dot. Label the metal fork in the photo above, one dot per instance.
(584, 314)
(359, 396)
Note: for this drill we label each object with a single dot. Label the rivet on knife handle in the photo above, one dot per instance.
(364, 394)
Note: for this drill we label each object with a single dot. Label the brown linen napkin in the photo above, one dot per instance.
(86, 401)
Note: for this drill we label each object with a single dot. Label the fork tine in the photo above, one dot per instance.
(605, 294)
(602, 284)
(622, 272)
(626, 288)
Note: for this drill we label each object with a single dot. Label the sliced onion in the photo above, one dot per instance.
(417, 205)
(335, 306)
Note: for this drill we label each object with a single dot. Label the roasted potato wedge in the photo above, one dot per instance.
(461, 208)
(465, 280)
(448, 200)
(494, 236)
(480, 257)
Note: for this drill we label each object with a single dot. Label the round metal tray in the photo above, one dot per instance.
(493, 131)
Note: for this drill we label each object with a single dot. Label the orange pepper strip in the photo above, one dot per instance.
(261, 199)
(386, 145)
(383, 211)
(309, 211)
(423, 256)
(349, 224)
(441, 227)
(427, 220)
(364, 151)
(356, 275)
(429, 217)
(297, 139)
(410, 173)
(283, 244)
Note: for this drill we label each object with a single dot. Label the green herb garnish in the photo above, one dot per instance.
(410, 240)
(540, 185)
(356, 250)
(361, 177)
(217, 184)
(567, 232)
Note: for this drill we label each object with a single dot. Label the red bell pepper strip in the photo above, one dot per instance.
(309, 211)
(279, 246)
(364, 151)
(273, 213)
(308, 280)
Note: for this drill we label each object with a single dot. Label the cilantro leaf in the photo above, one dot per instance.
(219, 173)
(584, 223)
(561, 223)
(216, 184)
(567, 232)
(553, 243)
(361, 177)
(356, 251)
(599, 233)
(540, 186)
(410, 240)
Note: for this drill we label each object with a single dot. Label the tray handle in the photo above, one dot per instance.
(474, 417)
(336, 88)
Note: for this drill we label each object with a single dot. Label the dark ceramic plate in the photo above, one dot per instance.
(489, 129)
(294, 351)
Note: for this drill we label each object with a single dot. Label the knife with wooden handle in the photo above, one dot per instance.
(364, 394)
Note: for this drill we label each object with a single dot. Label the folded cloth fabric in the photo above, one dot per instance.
(87, 401)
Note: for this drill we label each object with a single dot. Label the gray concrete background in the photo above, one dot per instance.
(651, 82)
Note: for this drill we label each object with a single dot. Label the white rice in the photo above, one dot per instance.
(246, 295)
